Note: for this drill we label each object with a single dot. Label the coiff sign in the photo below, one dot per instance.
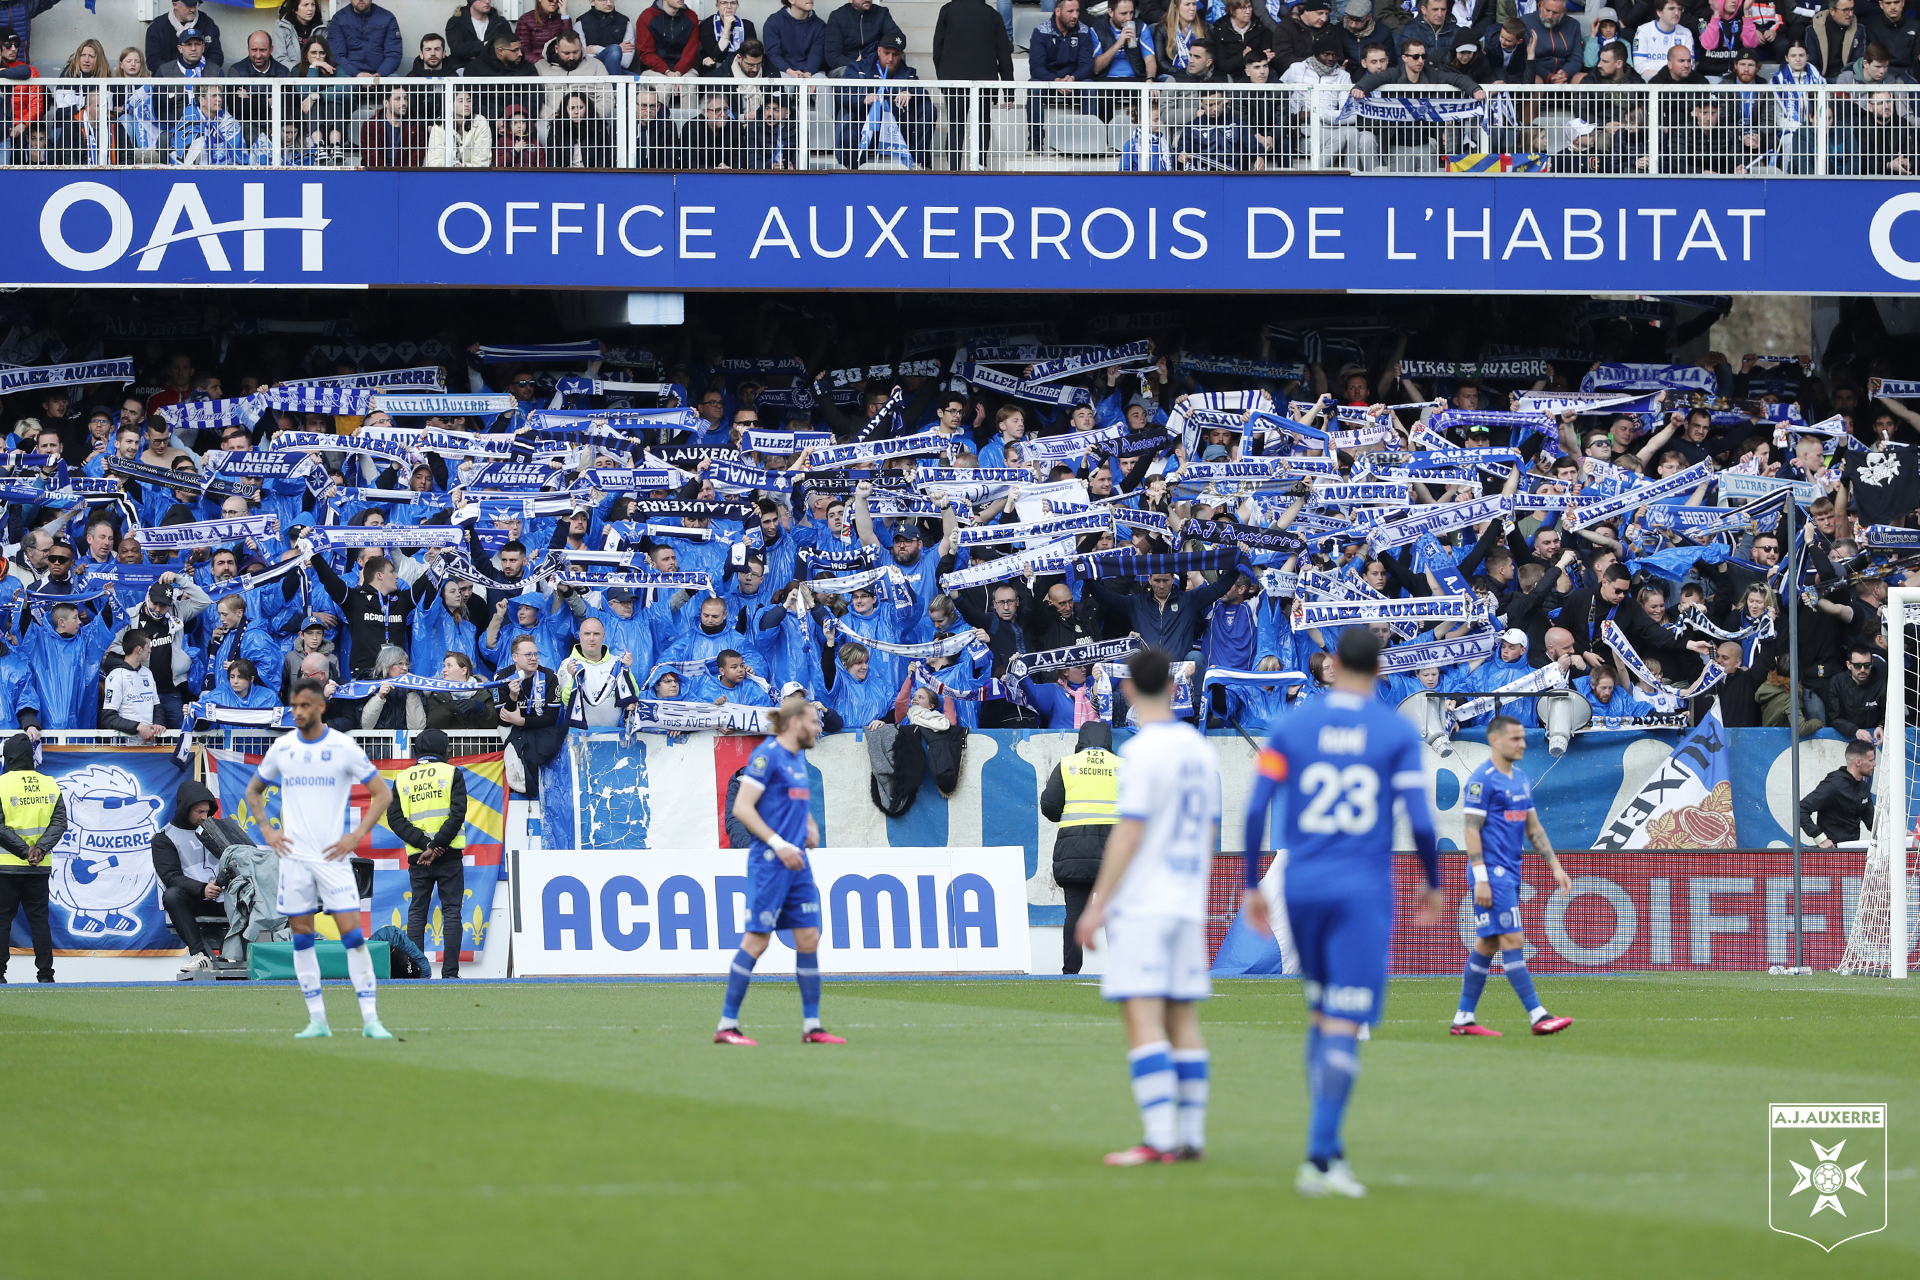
(683, 911)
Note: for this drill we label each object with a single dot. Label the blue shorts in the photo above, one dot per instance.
(778, 898)
(1343, 954)
(1503, 916)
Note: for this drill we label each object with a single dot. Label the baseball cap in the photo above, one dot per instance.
(620, 595)
(1578, 128)
(160, 595)
(1603, 14)
(1513, 635)
(9, 36)
(790, 688)
(895, 42)
(190, 33)
(1467, 46)
(313, 624)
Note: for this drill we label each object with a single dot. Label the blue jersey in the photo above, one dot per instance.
(784, 802)
(1504, 802)
(1341, 761)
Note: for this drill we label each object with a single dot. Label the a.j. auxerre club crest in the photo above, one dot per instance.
(1827, 1170)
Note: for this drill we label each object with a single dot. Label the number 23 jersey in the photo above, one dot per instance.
(1342, 760)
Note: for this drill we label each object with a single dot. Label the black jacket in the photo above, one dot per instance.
(971, 43)
(416, 837)
(1852, 706)
(215, 832)
(1077, 850)
(540, 738)
(1843, 804)
(463, 48)
(372, 620)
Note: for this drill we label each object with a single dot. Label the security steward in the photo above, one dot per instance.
(429, 813)
(33, 817)
(1841, 807)
(1082, 795)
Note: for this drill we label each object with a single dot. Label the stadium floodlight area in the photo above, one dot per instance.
(1886, 909)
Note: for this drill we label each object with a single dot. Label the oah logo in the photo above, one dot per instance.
(1827, 1171)
(103, 865)
(184, 216)
(1880, 236)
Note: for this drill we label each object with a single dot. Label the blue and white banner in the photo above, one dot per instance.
(105, 895)
(994, 231)
(1696, 777)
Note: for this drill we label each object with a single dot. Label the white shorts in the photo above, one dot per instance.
(307, 887)
(1156, 956)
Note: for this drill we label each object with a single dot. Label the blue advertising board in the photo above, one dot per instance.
(1014, 232)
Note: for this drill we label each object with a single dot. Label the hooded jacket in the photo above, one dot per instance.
(1077, 850)
(215, 833)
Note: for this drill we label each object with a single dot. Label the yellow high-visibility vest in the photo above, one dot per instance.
(1092, 781)
(426, 797)
(26, 802)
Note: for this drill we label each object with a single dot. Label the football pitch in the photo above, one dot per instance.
(592, 1129)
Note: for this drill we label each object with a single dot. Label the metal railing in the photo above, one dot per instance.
(689, 125)
(379, 744)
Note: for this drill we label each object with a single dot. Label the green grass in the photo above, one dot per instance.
(589, 1130)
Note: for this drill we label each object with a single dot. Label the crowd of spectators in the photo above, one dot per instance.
(483, 607)
(721, 93)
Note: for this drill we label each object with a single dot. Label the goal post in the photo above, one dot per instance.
(1880, 935)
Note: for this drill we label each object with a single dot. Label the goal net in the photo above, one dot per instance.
(1889, 902)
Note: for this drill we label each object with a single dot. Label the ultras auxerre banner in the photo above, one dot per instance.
(682, 911)
(1027, 232)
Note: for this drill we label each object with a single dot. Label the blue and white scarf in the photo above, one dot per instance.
(865, 453)
(542, 352)
(1418, 610)
(760, 440)
(1061, 448)
(1611, 508)
(1411, 110)
(1650, 377)
(981, 572)
(1090, 654)
(1237, 367)
(211, 415)
(66, 375)
(1437, 519)
(1068, 366)
(1467, 370)
(1406, 658)
(351, 402)
(478, 406)
(206, 533)
(383, 380)
(1043, 531)
(1036, 393)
